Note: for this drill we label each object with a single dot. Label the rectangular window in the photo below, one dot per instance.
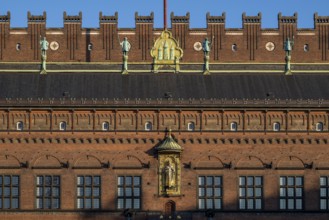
(324, 193)
(129, 192)
(88, 192)
(291, 192)
(48, 192)
(210, 194)
(9, 192)
(250, 192)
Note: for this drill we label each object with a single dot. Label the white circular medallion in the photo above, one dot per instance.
(270, 46)
(54, 45)
(197, 46)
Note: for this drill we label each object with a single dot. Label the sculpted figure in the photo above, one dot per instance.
(125, 45)
(166, 51)
(169, 175)
(44, 46)
(288, 46)
(206, 46)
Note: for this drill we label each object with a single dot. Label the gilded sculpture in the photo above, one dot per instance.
(169, 153)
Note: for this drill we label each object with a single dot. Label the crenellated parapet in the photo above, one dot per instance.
(72, 18)
(5, 18)
(251, 43)
(4, 32)
(321, 24)
(108, 19)
(180, 26)
(144, 19)
(216, 19)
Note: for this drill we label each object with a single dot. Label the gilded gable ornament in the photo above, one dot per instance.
(166, 52)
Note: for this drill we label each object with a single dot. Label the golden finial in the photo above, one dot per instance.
(169, 133)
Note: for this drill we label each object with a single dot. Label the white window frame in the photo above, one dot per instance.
(234, 126)
(306, 47)
(234, 47)
(189, 128)
(146, 126)
(60, 126)
(317, 126)
(90, 46)
(18, 46)
(276, 124)
(104, 124)
(19, 126)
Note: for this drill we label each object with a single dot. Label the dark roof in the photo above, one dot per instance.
(163, 85)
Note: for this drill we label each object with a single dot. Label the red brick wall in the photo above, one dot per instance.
(250, 40)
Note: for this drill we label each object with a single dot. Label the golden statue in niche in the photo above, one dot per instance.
(169, 176)
(169, 155)
(166, 52)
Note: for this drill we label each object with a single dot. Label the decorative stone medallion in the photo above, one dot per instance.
(54, 45)
(270, 46)
(197, 46)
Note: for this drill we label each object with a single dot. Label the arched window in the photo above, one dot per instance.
(62, 126)
(234, 126)
(90, 46)
(19, 126)
(105, 126)
(148, 126)
(190, 126)
(306, 48)
(18, 46)
(234, 47)
(319, 126)
(276, 126)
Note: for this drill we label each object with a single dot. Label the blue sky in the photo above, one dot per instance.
(197, 8)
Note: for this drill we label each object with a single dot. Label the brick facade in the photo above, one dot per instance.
(250, 40)
(106, 139)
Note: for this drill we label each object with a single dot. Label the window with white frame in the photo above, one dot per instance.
(90, 46)
(291, 192)
(234, 126)
(306, 47)
(48, 192)
(105, 126)
(18, 46)
(319, 126)
(250, 192)
(129, 192)
(324, 192)
(88, 192)
(62, 126)
(19, 126)
(210, 194)
(190, 126)
(234, 47)
(9, 187)
(276, 126)
(148, 126)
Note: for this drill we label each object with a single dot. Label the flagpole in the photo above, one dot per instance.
(165, 14)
